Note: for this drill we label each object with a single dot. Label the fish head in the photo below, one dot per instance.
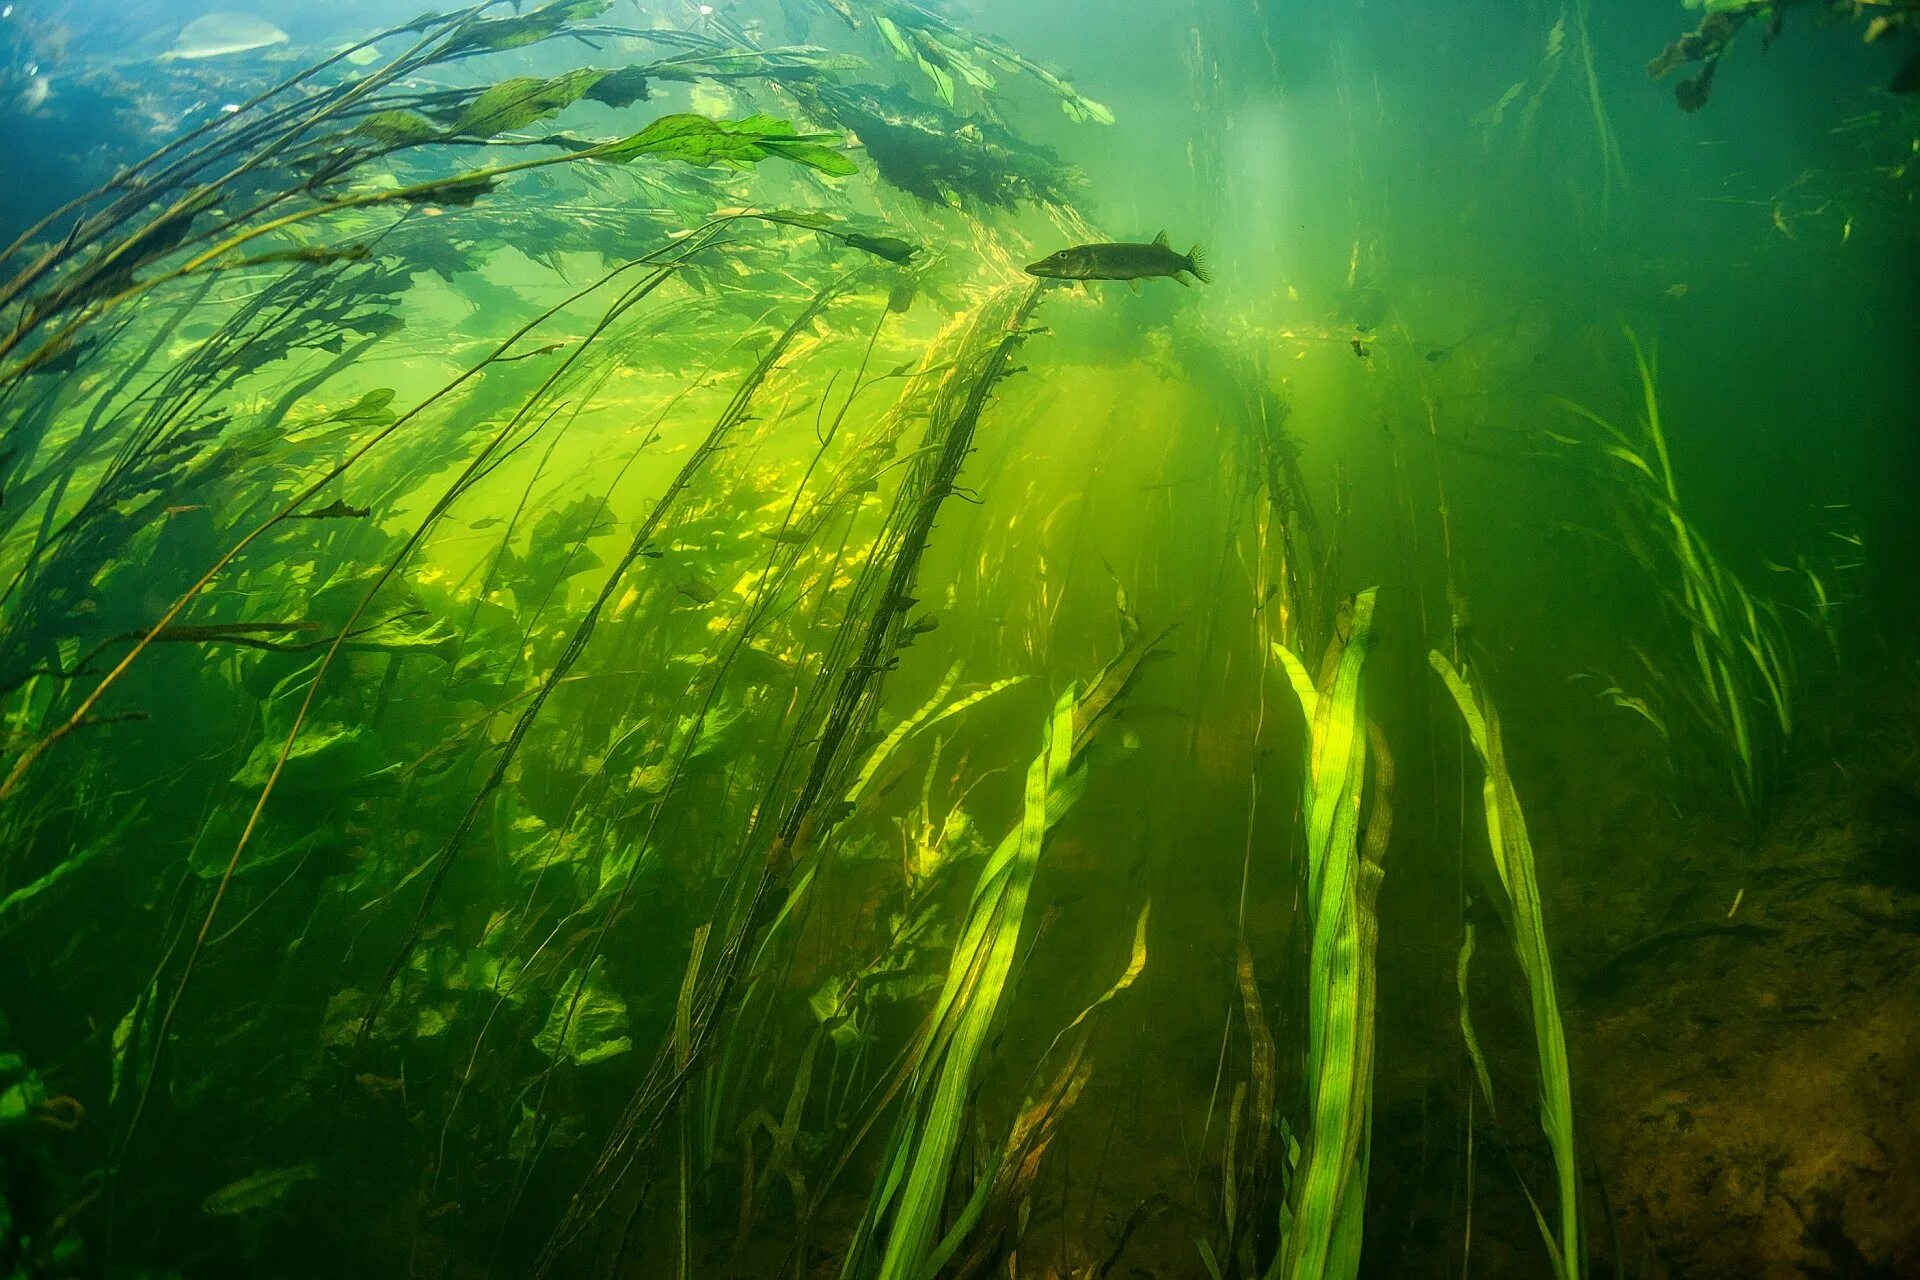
(1067, 264)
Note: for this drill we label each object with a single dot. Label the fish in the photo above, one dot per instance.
(1127, 261)
(220, 35)
(892, 248)
(335, 510)
(699, 592)
(258, 1190)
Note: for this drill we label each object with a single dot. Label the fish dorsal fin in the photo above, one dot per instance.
(1162, 241)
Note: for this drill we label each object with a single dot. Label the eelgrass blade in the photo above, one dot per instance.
(907, 1200)
(906, 1203)
(1013, 1168)
(1461, 969)
(1324, 1210)
(1513, 859)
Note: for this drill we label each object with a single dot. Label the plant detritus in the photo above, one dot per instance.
(1709, 42)
(943, 158)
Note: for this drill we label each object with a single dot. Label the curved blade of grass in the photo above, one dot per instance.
(1327, 1195)
(913, 1185)
(1513, 859)
(1461, 969)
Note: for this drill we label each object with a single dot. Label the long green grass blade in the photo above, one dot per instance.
(1513, 859)
(907, 1201)
(1329, 1191)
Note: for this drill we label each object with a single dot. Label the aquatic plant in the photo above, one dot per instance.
(1513, 859)
(948, 54)
(1530, 93)
(528, 594)
(1322, 1227)
(845, 697)
(581, 1009)
(928, 151)
(903, 1215)
(159, 223)
(1740, 685)
(1724, 20)
(1296, 598)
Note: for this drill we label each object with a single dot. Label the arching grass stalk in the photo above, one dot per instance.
(39, 747)
(1513, 859)
(1328, 1193)
(141, 433)
(251, 137)
(693, 139)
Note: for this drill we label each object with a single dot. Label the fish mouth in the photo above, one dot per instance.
(1045, 270)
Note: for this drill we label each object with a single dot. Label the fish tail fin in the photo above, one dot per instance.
(1197, 264)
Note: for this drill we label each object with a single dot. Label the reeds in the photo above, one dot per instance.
(1513, 858)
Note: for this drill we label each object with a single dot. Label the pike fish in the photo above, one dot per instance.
(258, 1190)
(1129, 261)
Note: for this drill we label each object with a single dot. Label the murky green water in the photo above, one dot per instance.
(597, 679)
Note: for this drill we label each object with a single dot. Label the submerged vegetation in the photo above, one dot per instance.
(1892, 21)
(1740, 685)
(596, 677)
(1521, 912)
(1323, 1223)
